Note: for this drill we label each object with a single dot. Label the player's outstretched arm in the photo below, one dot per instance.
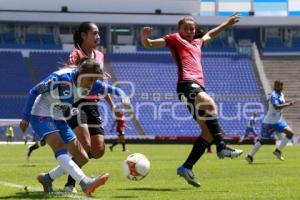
(151, 43)
(210, 35)
(282, 106)
(113, 126)
(102, 88)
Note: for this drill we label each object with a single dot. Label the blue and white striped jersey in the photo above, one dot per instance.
(273, 116)
(59, 91)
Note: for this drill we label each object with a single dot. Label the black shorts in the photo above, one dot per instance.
(187, 91)
(88, 114)
(120, 133)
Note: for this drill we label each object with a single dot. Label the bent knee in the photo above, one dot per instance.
(97, 155)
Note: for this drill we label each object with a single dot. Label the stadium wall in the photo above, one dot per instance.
(105, 6)
(157, 12)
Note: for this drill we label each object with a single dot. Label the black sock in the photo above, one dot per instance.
(215, 129)
(71, 181)
(90, 155)
(33, 147)
(220, 146)
(123, 145)
(48, 175)
(114, 144)
(197, 151)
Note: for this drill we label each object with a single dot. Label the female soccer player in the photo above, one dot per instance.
(45, 109)
(120, 124)
(88, 128)
(274, 123)
(185, 47)
(251, 129)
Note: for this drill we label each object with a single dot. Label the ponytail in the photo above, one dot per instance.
(77, 38)
(199, 32)
(84, 27)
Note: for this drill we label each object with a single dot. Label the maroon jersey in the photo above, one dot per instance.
(121, 124)
(77, 55)
(187, 57)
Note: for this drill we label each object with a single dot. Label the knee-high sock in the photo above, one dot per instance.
(242, 138)
(33, 147)
(68, 165)
(283, 143)
(256, 147)
(71, 181)
(216, 130)
(197, 151)
(56, 172)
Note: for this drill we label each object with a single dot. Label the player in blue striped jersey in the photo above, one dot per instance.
(46, 108)
(251, 128)
(274, 123)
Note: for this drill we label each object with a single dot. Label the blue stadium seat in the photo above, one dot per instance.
(48, 62)
(14, 69)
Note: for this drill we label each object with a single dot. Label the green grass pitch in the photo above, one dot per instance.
(267, 179)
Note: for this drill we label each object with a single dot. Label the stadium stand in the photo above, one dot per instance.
(13, 106)
(46, 62)
(17, 79)
(287, 70)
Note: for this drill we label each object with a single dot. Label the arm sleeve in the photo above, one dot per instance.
(171, 39)
(75, 57)
(43, 87)
(274, 100)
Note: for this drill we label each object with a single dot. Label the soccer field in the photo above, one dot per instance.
(266, 179)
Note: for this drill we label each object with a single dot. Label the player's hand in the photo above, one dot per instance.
(291, 103)
(126, 101)
(233, 19)
(146, 32)
(24, 125)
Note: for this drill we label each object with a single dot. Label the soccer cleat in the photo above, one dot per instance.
(229, 152)
(249, 159)
(277, 153)
(70, 189)
(188, 175)
(46, 182)
(91, 185)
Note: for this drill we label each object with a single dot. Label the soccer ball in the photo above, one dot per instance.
(136, 166)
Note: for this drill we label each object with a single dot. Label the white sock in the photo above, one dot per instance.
(242, 138)
(70, 167)
(256, 147)
(283, 142)
(56, 172)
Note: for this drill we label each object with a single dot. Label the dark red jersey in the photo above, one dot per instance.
(121, 124)
(187, 57)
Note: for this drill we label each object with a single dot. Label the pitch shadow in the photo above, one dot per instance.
(124, 197)
(28, 195)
